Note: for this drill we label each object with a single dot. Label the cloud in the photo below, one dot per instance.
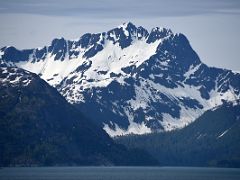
(121, 8)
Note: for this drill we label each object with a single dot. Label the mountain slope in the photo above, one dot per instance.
(130, 80)
(39, 127)
(212, 140)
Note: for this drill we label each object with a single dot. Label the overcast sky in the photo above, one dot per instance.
(212, 26)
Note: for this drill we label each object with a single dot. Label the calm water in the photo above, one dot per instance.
(118, 173)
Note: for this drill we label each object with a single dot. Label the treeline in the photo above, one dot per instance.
(212, 140)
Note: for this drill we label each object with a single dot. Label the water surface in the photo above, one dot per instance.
(118, 173)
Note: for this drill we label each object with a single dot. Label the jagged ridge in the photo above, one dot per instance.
(130, 80)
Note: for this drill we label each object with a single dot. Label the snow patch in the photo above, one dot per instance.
(133, 128)
(223, 133)
(53, 71)
(192, 70)
(124, 26)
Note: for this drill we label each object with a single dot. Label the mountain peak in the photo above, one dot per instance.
(158, 33)
(141, 81)
(126, 25)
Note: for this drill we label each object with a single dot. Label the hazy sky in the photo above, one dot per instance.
(212, 26)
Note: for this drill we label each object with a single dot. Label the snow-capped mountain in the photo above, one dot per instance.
(130, 80)
(39, 127)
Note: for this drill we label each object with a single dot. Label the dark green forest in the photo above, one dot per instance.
(38, 127)
(212, 140)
